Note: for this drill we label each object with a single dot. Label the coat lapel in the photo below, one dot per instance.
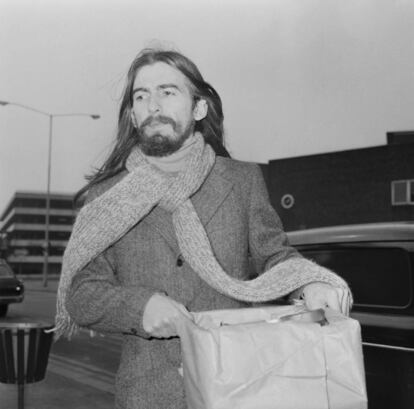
(212, 194)
(206, 202)
(161, 220)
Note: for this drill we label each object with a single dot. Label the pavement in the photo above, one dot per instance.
(58, 391)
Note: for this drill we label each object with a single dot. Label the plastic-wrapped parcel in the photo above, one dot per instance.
(257, 358)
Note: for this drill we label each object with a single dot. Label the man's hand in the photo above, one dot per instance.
(161, 314)
(322, 295)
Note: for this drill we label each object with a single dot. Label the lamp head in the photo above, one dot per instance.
(4, 103)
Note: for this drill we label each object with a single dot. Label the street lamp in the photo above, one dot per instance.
(47, 224)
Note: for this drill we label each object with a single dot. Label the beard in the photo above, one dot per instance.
(157, 143)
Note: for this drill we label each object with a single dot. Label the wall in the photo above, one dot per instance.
(342, 187)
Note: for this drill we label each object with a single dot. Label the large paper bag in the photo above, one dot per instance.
(256, 359)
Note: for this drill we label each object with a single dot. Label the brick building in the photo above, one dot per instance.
(354, 186)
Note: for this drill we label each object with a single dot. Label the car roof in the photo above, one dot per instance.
(366, 232)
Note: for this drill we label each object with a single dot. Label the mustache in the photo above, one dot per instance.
(159, 119)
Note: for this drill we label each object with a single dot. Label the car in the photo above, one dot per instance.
(11, 288)
(377, 260)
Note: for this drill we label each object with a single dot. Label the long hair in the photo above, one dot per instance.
(211, 127)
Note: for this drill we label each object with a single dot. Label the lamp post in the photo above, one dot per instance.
(49, 157)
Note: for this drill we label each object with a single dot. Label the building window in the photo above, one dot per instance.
(402, 192)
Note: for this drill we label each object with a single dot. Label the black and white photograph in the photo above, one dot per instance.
(206, 204)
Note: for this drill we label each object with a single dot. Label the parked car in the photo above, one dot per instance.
(377, 260)
(11, 288)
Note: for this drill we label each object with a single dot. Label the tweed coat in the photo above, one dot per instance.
(110, 293)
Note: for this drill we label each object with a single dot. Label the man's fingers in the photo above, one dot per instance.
(314, 302)
(333, 301)
(166, 327)
(161, 315)
(346, 302)
(321, 295)
(344, 299)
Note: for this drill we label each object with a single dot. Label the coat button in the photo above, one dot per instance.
(180, 261)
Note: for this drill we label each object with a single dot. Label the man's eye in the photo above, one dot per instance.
(139, 97)
(168, 92)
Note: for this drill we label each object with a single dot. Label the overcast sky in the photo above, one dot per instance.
(296, 77)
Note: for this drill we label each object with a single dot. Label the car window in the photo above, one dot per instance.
(377, 276)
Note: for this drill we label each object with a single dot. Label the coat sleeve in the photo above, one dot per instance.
(97, 300)
(268, 243)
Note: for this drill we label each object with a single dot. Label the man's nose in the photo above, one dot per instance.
(153, 104)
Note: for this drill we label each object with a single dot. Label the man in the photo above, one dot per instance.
(169, 227)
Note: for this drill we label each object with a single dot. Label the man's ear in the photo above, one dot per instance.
(200, 109)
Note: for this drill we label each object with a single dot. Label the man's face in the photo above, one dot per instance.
(163, 109)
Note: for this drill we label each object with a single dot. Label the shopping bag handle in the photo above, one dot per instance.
(305, 316)
(315, 316)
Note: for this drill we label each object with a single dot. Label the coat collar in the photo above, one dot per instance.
(206, 201)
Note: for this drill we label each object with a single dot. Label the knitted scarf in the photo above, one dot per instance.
(106, 219)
